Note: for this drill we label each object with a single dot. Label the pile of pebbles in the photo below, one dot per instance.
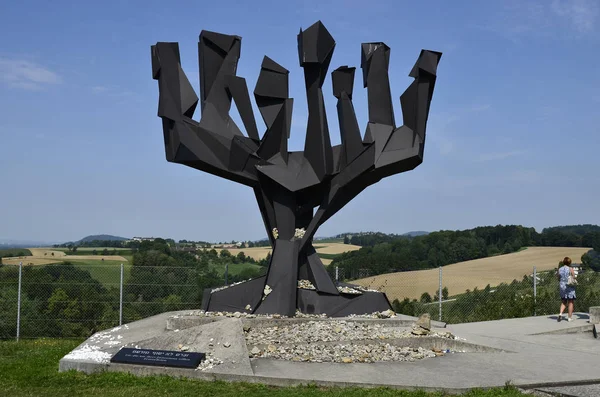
(202, 313)
(340, 340)
(305, 284)
(209, 362)
(329, 331)
(333, 341)
(344, 353)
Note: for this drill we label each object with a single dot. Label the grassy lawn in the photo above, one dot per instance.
(107, 272)
(30, 368)
(8, 252)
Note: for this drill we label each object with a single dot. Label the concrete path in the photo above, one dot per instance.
(536, 353)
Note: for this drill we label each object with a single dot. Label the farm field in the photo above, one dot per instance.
(478, 273)
(322, 248)
(46, 260)
(47, 252)
(46, 256)
(7, 252)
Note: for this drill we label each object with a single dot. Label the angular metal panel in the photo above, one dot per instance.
(289, 185)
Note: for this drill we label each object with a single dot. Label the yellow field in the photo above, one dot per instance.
(46, 252)
(335, 248)
(478, 273)
(326, 248)
(43, 256)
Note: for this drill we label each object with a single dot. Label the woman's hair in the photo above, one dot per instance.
(567, 261)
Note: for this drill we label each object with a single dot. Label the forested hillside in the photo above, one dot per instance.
(384, 254)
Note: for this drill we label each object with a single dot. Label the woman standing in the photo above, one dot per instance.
(567, 292)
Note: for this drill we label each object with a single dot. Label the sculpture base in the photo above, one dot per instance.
(247, 296)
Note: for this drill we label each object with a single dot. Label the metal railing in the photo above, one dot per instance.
(76, 300)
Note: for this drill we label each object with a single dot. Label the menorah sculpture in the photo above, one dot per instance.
(289, 185)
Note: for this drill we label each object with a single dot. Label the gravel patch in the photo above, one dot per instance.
(335, 341)
(329, 331)
(344, 353)
(202, 313)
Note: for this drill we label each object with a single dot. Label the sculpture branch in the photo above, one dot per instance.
(288, 186)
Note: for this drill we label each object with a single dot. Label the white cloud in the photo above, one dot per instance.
(115, 92)
(446, 147)
(524, 176)
(100, 88)
(21, 73)
(480, 108)
(440, 125)
(543, 18)
(582, 14)
(499, 155)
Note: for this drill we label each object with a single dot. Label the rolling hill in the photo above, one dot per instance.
(478, 273)
(101, 237)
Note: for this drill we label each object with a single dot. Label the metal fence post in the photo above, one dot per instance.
(440, 295)
(337, 274)
(19, 302)
(534, 291)
(121, 297)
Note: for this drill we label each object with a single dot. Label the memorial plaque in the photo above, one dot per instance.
(163, 358)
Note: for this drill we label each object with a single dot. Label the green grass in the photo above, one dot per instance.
(8, 252)
(107, 272)
(236, 268)
(327, 256)
(30, 368)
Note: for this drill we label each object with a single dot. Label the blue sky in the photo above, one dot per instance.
(512, 134)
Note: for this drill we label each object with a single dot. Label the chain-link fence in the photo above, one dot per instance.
(458, 297)
(66, 300)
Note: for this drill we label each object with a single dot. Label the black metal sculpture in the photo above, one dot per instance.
(290, 185)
